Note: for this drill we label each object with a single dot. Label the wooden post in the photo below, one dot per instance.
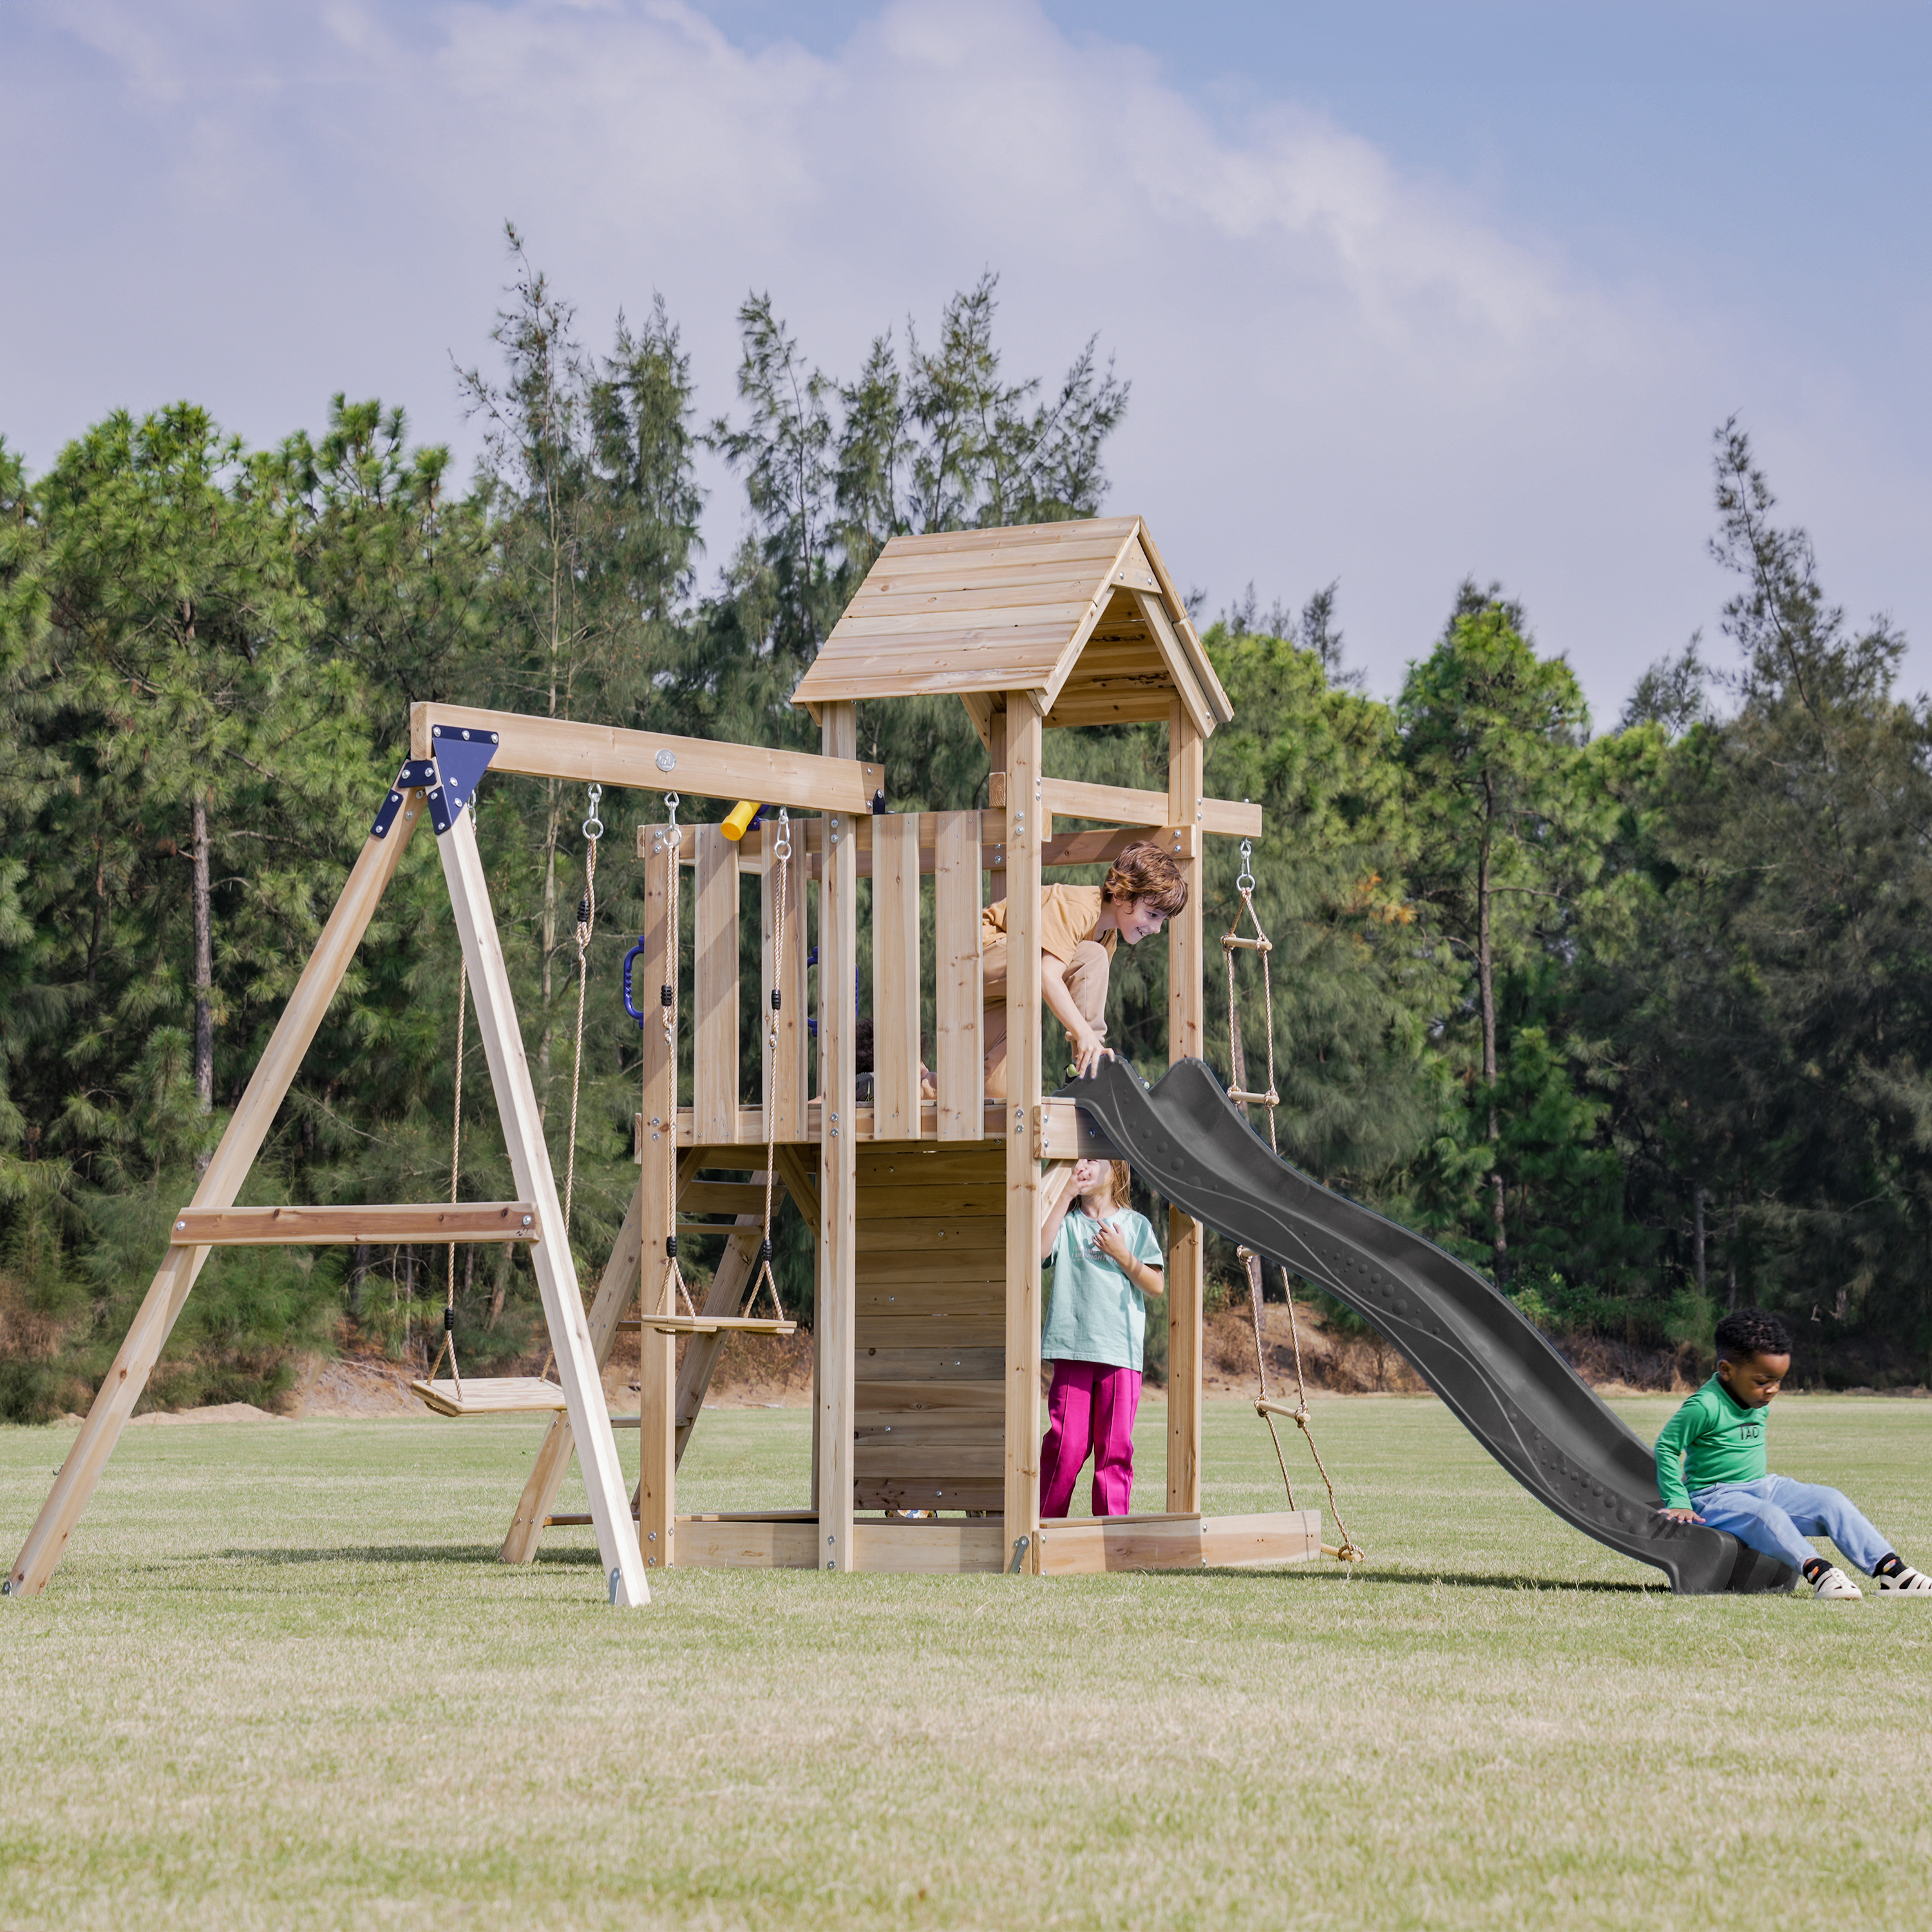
(550, 1258)
(616, 1290)
(127, 1376)
(657, 1133)
(1024, 747)
(1187, 994)
(835, 1320)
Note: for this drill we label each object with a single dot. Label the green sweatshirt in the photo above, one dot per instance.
(1713, 1438)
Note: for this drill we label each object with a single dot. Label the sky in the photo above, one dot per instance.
(1407, 291)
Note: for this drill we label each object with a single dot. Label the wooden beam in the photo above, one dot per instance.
(833, 1323)
(1061, 1131)
(1186, 993)
(1025, 741)
(1122, 805)
(1187, 1541)
(555, 747)
(616, 1290)
(551, 1260)
(895, 975)
(302, 1227)
(127, 1375)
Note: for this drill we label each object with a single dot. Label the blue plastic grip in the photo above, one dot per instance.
(630, 1005)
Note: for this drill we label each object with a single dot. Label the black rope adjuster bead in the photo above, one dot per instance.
(765, 1250)
(664, 995)
(777, 999)
(584, 910)
(670, 1247)
(449, 1320)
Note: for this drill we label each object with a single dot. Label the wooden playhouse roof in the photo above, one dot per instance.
(1083, 617)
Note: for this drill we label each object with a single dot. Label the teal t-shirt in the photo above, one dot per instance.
(1096, 1315)
(1713, 1438)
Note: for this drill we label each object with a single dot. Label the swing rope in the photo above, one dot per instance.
(781, 851)
(1232, 941)
(586, 925)
(668, 995)
(455, 1167)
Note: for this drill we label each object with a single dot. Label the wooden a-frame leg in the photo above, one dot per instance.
(550, 1256)
(615, 1292)
(275, 1072)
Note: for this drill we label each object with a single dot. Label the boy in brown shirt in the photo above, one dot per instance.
(1079, 927)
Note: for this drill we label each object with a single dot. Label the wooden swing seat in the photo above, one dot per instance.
(714, 1324)
(491, 1395)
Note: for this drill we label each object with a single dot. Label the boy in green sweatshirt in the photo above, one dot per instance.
(1710, 1468)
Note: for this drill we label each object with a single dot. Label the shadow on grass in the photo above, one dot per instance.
(411, 1552)
(1449, 1579)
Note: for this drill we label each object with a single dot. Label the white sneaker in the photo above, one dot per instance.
(1833, 1585)
(1907, 1582)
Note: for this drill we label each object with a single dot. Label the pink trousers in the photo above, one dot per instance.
(1090, 1409)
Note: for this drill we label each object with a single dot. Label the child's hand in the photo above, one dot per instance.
(1112, 1242)
(1087, 1053)
(1682, 1515)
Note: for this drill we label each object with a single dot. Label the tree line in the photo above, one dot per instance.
(1635, 1021)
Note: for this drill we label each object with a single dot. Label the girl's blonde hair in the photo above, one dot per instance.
(1121, 1176)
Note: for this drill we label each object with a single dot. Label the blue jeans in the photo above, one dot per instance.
(1776, 1515)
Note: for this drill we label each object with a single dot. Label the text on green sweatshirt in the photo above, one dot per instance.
(1713, 1438)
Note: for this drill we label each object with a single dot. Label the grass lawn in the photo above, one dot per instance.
(281, 1681)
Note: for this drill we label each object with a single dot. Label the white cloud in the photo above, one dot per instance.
(1338, 370)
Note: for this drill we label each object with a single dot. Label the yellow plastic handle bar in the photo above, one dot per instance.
(739, 822)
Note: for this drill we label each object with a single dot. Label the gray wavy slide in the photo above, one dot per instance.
(1496, 1371)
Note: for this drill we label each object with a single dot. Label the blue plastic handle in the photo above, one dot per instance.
(630, 1005)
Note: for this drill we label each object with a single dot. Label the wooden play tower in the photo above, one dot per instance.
(927, 1206)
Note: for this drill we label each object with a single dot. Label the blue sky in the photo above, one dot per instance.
(1405, 290)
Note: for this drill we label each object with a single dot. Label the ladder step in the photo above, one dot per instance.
(376, 1227)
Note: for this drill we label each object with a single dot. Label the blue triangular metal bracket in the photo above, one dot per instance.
(462, 757)
(416, 774)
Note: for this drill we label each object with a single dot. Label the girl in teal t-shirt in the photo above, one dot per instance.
(1106, 1262)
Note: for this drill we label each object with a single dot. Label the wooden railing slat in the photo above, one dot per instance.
(958, 1061)
(715, 982)
(896, 977)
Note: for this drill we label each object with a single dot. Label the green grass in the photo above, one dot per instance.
(281, 1681)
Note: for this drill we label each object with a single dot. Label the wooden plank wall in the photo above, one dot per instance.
(931, 1328)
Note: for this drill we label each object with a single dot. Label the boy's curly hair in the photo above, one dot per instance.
(1145, 874)
(1746, 1332)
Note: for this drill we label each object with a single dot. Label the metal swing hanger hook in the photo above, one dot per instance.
(1245, 884)
(593, 825)
(782, 850)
